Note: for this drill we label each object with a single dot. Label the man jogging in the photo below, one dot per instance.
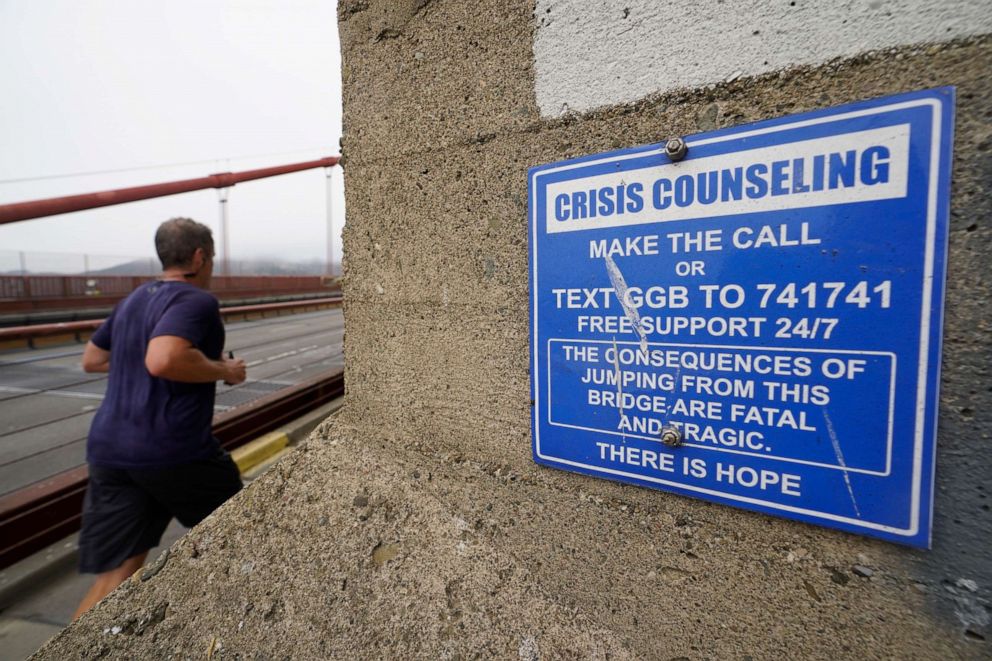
(150, 451)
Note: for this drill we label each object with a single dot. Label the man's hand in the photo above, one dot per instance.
(237, 372)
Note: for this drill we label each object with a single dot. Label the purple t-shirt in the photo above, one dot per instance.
(144, 421)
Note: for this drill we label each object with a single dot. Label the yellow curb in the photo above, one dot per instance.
(253, 453)
(260, 468)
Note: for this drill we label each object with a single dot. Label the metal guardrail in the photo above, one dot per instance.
(42, 513)
(78, 328)
(25, 293)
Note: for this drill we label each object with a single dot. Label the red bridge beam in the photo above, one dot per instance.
(12, 213)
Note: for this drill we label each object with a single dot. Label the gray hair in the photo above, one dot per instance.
(178, 238)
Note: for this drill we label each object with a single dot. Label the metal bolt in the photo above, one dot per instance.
(671, 436)
(676, 149)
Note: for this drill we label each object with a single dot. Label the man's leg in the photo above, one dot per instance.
(121, 524)
(108, 581)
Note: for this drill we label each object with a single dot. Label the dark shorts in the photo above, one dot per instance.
(126, 511)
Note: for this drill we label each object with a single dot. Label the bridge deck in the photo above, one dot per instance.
(47, 402)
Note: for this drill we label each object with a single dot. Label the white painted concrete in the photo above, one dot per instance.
(593, 53)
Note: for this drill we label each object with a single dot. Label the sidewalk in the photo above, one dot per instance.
(48, 589)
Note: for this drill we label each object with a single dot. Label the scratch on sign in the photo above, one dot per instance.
(840, 459)
(620, 288)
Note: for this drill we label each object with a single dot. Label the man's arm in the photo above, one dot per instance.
(95, 359)
(175, 358)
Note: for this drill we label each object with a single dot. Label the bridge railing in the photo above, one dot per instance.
(20, 293)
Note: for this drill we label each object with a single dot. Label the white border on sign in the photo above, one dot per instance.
(846, 469)
(928, 262)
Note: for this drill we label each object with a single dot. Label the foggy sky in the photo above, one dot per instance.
(103, 84)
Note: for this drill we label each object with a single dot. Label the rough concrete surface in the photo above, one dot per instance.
(353, 548)
(426, 75)
(416, 525)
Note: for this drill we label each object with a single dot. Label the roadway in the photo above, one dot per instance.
(47, 402)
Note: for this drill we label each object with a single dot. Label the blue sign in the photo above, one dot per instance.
(758, 324)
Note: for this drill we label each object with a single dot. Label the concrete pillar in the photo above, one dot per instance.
(415, 524)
